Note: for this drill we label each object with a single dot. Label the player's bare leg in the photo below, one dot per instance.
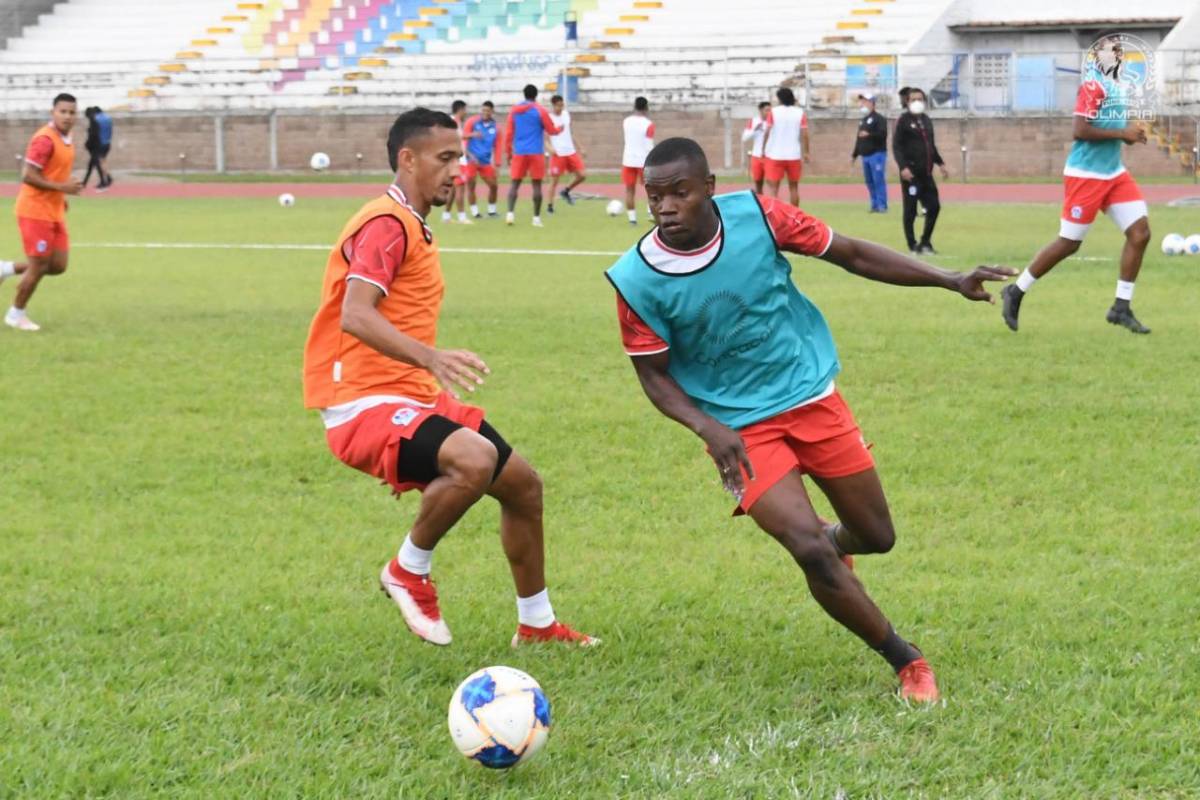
(553, 193)
(460, 198)
(864, 521)
(518, 488)
(31, 276)
(580, 177)
(1137, 237)
(794, 192)
(630, 200)
(758, 186)
(513, 190)
(454, 192)
(493, 193)
(537, 202)
(10, 268)
(1046, 259)
(471, 196)
(773, 188)
(466, 465)
(786, 513)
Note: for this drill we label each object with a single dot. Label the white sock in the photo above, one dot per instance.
(491, 208)
(1125, 290)
(535, 611)
(1025, 281)
(462, 215)
(413, 559)
(445, 216)
(537, 219)
(474, 210)
(7, 269)
(510, 215)
(632, 215)
(15, 313)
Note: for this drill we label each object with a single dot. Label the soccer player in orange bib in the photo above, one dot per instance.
(41, 209)
(389, 396)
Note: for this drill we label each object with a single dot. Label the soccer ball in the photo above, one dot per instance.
(319, 162)
(499, 716)
(1173, 244)
(614, 208)
(1191, 245)
(287, 200)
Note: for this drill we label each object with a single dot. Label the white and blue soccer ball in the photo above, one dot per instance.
(614, 208)
(287, 200)
(1191, 245)
(500, 717)
(1173, 244)
(319, 162)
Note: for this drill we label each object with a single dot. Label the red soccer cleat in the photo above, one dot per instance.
(554, 632)
(917, 682)
(417, 598)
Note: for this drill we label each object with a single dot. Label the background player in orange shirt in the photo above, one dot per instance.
(388, 395)
(41, 208)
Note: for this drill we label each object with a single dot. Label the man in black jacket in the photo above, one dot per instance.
(871, 144)
(916, 154)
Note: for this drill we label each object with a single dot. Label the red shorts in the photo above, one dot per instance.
(41, 238)
(532, 165)
(820, 439)
(757, 168)
(371, 441)
(471, 170)
(1086, 197)
(561, 165)
(775, 170)
(631, 176)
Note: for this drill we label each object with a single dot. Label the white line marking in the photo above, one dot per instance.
(325, 247)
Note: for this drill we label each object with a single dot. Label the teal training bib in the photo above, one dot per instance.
(745, 344)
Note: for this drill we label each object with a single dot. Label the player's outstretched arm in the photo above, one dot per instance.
(879, 263)
(454, 369)
(724, 444)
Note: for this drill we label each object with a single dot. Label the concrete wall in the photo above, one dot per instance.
(1013, 147)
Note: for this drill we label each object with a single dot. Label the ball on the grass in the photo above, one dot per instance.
(614, 208)
(1191, 245)
(499, 716)
(319, 162)
(287, 200)
(1172, 244)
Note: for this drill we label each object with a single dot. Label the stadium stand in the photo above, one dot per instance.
(233, 55)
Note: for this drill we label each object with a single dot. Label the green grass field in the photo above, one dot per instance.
(188, 597)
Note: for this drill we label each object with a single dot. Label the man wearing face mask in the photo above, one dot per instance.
(916, 154)
(871, 144)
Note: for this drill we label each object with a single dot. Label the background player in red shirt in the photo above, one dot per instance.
(41, 208)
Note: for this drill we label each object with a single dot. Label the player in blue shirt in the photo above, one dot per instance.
(480, 135)
(1095, 179)
(524, 141)
(724, 343)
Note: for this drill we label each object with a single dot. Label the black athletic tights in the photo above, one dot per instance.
(927, 196)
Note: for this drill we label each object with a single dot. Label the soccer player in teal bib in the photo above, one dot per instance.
(724, 344)
(1095, 180)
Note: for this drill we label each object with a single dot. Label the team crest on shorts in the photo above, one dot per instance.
(1076, 212)
(404, 416)
(43, 246)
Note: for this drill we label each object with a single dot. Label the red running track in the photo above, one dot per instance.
(845, 192)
